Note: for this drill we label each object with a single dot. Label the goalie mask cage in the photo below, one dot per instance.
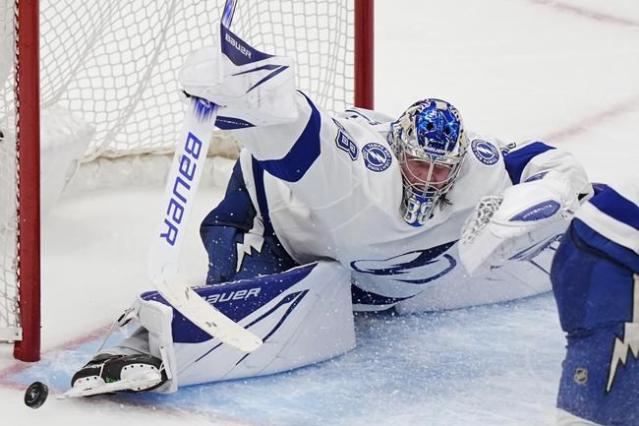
(113, 65)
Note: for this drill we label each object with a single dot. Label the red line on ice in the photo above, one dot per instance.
(591, 14)
(584, 125)
(18, 367)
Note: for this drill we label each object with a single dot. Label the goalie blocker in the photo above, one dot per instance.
(303, 315)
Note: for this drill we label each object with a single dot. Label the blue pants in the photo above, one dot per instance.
(236, 247)
(594, 290)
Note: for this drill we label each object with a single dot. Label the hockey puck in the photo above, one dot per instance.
(36, 394)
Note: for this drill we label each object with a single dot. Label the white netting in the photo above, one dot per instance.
(8, 198)
(115, 63)
(113, 66)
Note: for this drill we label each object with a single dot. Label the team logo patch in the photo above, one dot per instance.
(376, 157)
(485, 151)
(415, 267)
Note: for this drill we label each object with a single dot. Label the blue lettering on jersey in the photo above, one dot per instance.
(414, 267)
(376, 157)
(345, 142)
(485, 151)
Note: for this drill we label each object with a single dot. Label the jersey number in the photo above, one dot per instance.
(415, 212)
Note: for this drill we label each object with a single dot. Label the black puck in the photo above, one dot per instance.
(36, 394)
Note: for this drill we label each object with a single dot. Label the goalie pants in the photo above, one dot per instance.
(597, 294)
(235, 239)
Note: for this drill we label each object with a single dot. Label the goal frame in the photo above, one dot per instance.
(28, 152)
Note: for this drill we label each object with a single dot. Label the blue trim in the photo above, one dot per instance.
(231, 123)
(364, 297)
(267, 67)
(613, 204)
(536, 176)
(260, 192)
(517, 160)
(238, 51)
(604, 246)
(227, 13)
(203, 109)
(276, 69)
(295, 298)
(306, 149)
(268, 77)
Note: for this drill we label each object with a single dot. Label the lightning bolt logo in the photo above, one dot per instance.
(253, 239)
(630, 342)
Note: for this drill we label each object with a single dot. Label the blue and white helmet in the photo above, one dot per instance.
(430, 143)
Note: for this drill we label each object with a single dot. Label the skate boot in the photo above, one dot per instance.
(107, 373)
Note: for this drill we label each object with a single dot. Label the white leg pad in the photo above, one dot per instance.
(152, 335)
(308, 322)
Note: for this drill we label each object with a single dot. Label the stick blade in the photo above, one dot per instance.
(209, 319)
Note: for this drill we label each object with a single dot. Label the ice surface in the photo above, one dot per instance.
(496, 364)
(565, 71)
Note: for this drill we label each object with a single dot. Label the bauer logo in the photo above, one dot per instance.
(485, 151)
(376, 157)
(181, 188)
(233, 295)
(237, 45)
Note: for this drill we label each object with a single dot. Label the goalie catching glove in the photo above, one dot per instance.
(253, 88)
(518, 224)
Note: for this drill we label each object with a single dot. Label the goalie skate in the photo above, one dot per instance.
(108, 373)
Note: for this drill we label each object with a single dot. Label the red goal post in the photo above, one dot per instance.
(94, 61)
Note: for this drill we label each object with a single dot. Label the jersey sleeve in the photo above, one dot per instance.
(315, 155)
(537, 161)
(613, 213)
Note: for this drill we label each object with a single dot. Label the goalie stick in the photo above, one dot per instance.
(184, 178)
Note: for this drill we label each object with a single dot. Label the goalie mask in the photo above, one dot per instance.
(430, 143)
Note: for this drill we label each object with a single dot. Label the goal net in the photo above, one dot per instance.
(109, 90)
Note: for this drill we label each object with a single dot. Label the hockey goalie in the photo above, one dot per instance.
(326, 215)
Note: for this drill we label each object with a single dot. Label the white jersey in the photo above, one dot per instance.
(332, 190)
